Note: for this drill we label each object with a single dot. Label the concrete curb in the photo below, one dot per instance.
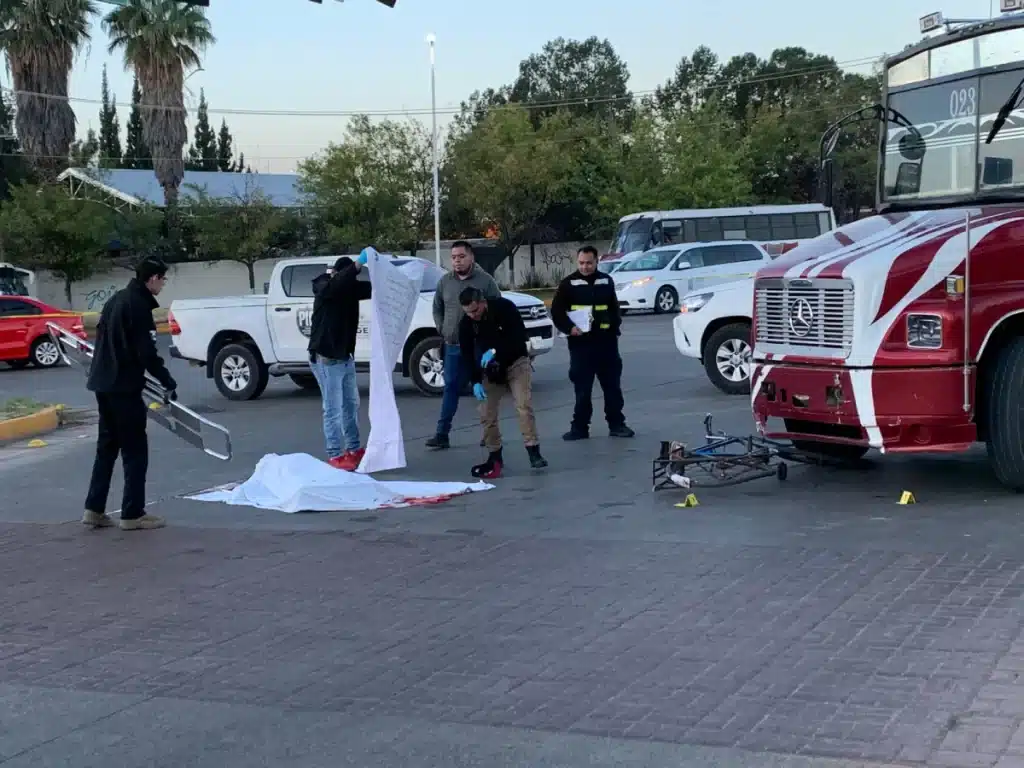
(33, 425)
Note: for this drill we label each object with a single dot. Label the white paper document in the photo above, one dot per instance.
(392, 304)
(298, 482)
(582, 319)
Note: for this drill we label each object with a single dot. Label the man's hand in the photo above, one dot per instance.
(575, 331)
(171, 396)
(487, 357)
(478, 392)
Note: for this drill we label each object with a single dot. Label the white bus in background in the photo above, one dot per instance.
(15, 281)
(777, 228)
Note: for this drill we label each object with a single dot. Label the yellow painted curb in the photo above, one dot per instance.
(23, 427)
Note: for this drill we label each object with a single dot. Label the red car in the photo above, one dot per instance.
(24, 337)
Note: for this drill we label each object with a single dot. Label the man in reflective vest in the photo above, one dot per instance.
(586, 309)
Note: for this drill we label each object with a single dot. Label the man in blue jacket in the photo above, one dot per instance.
(332, 347)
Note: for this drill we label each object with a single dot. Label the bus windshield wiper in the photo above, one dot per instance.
(1004, 111)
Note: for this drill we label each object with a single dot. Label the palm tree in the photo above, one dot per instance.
(41, 39)
(160, 41)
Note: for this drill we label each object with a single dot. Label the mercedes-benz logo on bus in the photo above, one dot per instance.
(801, 317)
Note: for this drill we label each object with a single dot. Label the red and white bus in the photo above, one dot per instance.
(777, 227)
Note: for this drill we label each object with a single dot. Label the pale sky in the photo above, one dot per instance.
(361, 56)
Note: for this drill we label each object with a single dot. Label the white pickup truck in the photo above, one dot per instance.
(244, 340)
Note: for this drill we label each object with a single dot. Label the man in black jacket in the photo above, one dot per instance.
(124, 352)
(332, 347)
(594, 350)
(493, 344)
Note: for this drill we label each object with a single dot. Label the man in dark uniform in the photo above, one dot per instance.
(124, 352)
(593, 351)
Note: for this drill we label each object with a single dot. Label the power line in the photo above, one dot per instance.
(700, 123)
(450, 110)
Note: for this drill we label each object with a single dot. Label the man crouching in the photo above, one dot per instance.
(493, 345)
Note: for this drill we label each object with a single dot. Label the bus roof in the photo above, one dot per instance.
(751, 210)
(969, 30)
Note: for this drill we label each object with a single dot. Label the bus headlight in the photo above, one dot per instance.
(924, 331)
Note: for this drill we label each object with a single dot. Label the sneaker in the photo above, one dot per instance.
(144, 523)
(338, 462)
(575, 434)
(621, 431)
(536, 460)
(349, 460)
(490, 469)
(439, 442)
(97, 519)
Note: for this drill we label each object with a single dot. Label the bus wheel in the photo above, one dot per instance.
(1005, 416)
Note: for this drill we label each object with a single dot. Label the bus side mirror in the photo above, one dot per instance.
(908, 179)
(825, 183)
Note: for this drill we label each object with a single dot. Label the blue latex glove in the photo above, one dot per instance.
(478, 392)
(488, 356)
(364, 255)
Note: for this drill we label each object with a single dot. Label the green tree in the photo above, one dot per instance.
(13, 169)
(41, 39)
(585, 77)
(376, 186)
(110, 128)
(245, 227)
(160, 41)
(137, 155)
(42, 227)
(84, 151)
(225, 152)
(203, 155)
(507, 174)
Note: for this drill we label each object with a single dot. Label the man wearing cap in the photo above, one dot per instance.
(332, 348)
(125, 351)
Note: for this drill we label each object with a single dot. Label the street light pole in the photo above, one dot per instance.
(431, 42)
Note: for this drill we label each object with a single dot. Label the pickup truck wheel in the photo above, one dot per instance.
(426, 366)
(727, 358)
(239, 373)
(45, 353)
(1005, 416)
(304, 380)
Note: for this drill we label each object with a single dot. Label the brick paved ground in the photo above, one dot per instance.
(877, 656)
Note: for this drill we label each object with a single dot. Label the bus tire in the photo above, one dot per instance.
(1005, 416)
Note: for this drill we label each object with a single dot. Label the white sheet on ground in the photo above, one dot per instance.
(298, 482)
(395, 294)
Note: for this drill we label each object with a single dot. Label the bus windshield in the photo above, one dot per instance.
(953, 118)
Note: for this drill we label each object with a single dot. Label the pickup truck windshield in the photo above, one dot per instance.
(297, 280)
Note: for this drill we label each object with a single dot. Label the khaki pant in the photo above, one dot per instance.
(520, 380)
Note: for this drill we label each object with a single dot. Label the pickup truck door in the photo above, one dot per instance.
(290, 311)
(365, 318)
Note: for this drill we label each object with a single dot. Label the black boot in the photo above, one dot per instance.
(438, 442)
(490, 469)
(536, 460)
(576, 434)
(621, 431)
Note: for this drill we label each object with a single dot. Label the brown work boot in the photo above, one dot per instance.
(144, 523)
(97, 519)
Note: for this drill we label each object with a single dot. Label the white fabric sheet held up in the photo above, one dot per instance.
(392, 304)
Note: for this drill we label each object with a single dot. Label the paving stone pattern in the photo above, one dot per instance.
(873, 655)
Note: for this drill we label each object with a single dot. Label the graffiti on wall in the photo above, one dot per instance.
(96, 298)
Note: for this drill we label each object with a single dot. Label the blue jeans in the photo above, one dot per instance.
(453, 376)
(340, 392)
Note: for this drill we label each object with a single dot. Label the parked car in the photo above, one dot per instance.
(655, 279)
(242, 341)
(713, 325)
(25, 339)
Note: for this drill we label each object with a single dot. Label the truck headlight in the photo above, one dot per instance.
(924, 331)
(694, 303)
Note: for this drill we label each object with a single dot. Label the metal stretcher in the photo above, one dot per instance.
(209, 437)
(726, 460)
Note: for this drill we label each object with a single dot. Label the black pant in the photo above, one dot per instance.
(590, 358)
(122, 430)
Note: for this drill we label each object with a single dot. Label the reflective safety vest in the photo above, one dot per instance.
(596, 296)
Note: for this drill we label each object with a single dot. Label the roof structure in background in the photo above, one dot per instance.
(135, 188)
